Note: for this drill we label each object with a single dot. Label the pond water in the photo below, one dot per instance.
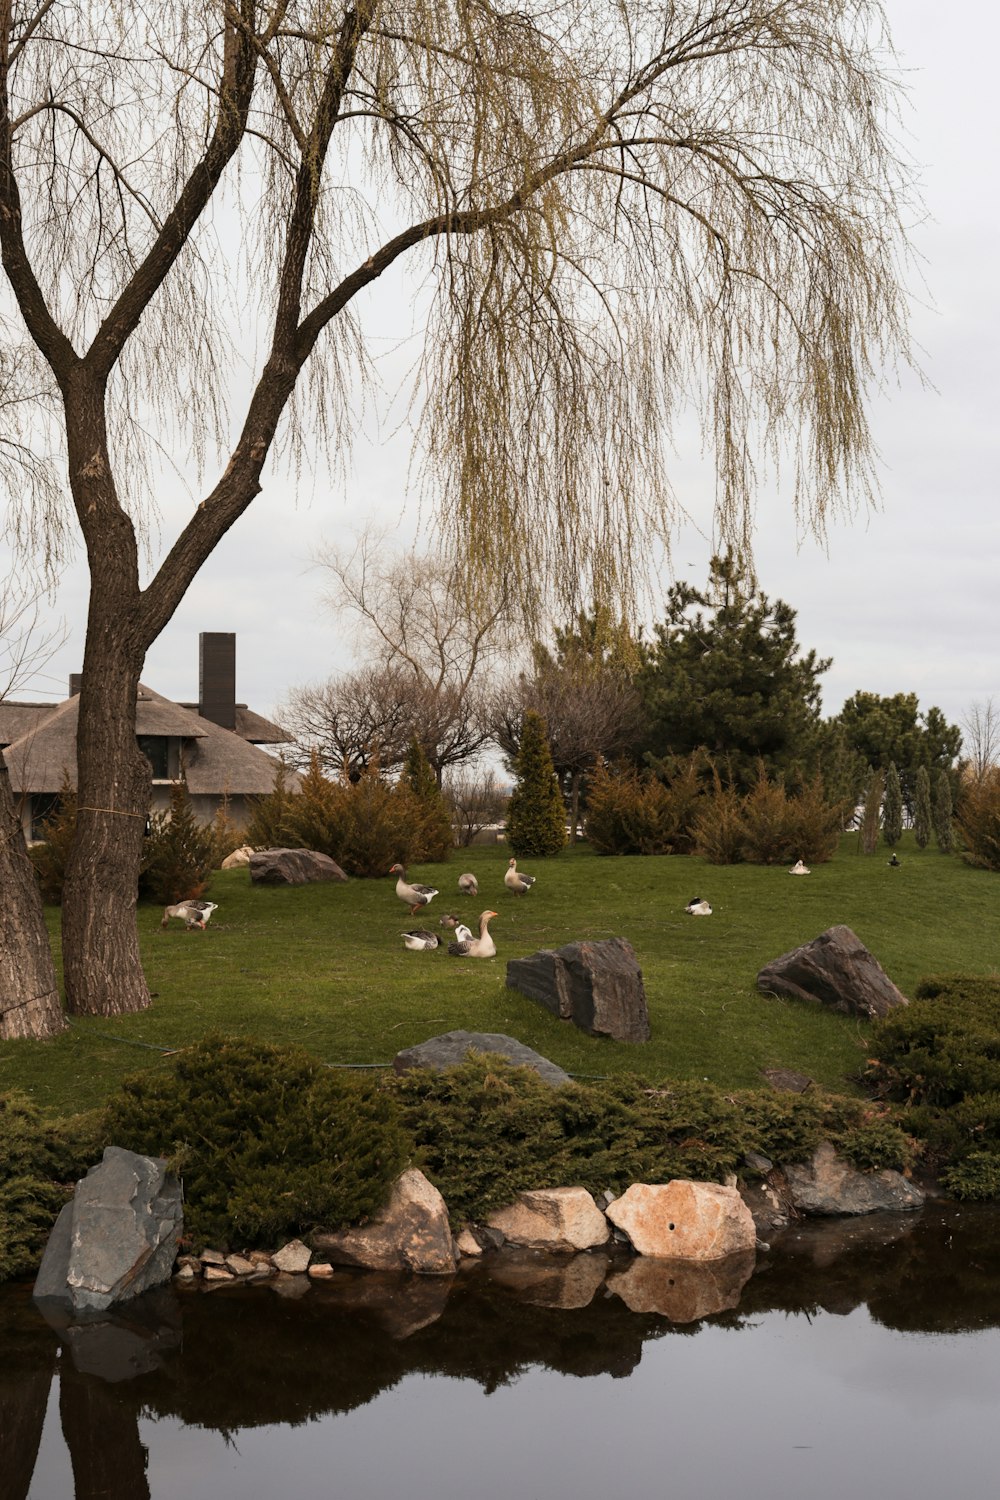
(857, 1357)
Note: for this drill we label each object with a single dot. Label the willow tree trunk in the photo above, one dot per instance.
(29, 998)
(101, 962)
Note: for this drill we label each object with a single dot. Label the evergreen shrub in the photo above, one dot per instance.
(178, 856)
(433, 838)
(635, 812)
(270, 1144)
(486, 1131)
(40, 1162)
(892, 808)
(978, 819)
(922, 816)
(944, 831)
(941, 1058)
(51, 856)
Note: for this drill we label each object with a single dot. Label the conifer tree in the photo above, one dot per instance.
(944, 831)
(892, 807)
(179, 852)
(536, 817)
(871, 812)
(922, 817)
(434, 837)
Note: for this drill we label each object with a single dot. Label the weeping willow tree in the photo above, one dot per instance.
(617, 210)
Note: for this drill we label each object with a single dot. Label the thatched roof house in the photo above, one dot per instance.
(214, 740)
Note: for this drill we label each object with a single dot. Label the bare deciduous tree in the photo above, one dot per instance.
(615, 207)
(589, 711)
(981, 741)
(373, 715)
(477, 800)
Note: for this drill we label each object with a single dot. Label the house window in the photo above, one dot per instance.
(156, 748)
(44, 805)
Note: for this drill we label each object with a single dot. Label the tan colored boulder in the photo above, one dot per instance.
(467, 1244)
(555, 1219)
(684, 1220)
(238, 859)
(684, 1290)
(293, 1258)
(410, 1234)
(240, 1265)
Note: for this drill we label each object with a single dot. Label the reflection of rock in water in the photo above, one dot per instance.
(401, 1305)
(134, 1339)
(682, 1290)
(547, 1280)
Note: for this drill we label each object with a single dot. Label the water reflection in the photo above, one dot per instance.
(241, 1358)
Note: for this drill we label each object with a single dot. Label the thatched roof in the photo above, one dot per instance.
(253, 726)
(217, 761)
(17, 718)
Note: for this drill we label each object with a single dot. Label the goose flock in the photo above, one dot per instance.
(464, 943)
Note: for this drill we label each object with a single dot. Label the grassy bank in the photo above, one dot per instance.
(324, 966)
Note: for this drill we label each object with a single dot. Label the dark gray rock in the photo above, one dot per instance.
(597, 986)
(292, 867)
(827, 1184)
(452, 1048)
(117, 1237)
(787, 1080)
(835, 970)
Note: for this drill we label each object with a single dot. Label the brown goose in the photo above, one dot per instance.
(415, 896)
(515, 881)
(468, 884)
(192, 913)
(481, 947)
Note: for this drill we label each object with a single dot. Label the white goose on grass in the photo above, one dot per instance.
(799, 869)
(414, 895)
(468, 884)
(515, 881)
(420, 940)
(192, 913)
(482, 946)
(696, 907)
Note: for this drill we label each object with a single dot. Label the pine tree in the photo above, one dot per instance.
(178, 855)
(943, 828)
(434, 838)
(268, 828)
(58, 832)
(536, 817)
(892, 807)
(922, 817)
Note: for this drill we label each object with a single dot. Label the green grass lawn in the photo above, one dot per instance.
(324, 966)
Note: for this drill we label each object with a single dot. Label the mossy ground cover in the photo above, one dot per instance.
(323, 966)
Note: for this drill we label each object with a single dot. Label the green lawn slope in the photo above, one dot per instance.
(324, 966)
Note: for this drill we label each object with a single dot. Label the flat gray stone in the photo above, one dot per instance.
(452, 1048)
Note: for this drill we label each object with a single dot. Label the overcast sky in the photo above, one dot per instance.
(902, 599)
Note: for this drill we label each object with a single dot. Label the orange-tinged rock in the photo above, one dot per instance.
(684, 1220)
(556, 1219)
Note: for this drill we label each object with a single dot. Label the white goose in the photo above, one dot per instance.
(419, 940)
(515, 881)
(696, 907)
(192, 913)
(415, 896)
(471, 947)
(468, 884)
(799, 869)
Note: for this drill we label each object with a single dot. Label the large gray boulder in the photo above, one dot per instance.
(827, 1184)
(117, 1236)
(835, 970)
(452, 1048)
(292, 867)
(598, 986)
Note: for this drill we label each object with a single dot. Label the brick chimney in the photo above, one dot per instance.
(75, 683)
(217, 677)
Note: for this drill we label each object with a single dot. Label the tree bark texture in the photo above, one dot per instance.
(101, 961)
(29, 998)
